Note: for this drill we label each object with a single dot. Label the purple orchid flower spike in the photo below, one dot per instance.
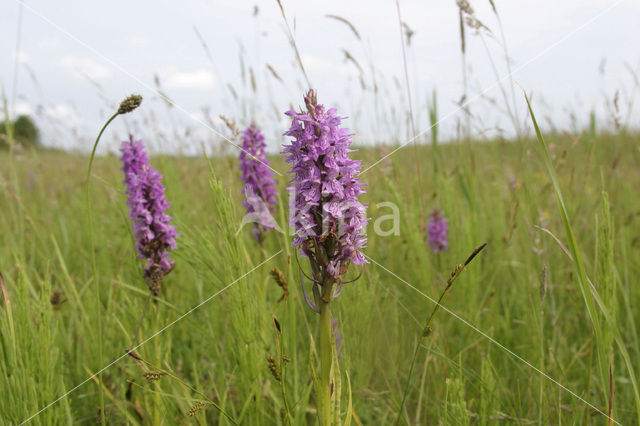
(437, 228)
(259, 183)
(154, 234)
(326, 214)
(329, 223)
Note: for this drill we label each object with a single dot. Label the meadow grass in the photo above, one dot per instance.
(496, 192)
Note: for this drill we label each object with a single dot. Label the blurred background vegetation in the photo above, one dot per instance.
(24, 131)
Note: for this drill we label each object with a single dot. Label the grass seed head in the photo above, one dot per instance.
(543, 282)
(195, 408)
(56, 299)
(130, 103)
(282, 282)
(274, 368)
(153, 376)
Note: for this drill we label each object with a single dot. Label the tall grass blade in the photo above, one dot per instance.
(589, 292)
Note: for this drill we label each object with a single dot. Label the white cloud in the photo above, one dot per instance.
(317, 64)
(49, 42)
(85, 67)
(21, 56)
(140, 41)
(64, 113)
(24, 108)
(198, 79)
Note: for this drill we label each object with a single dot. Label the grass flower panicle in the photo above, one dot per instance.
(437, 228)
(259, 183)
(328, 219)
(151, 225)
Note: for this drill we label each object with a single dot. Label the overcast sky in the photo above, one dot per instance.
(77, 60)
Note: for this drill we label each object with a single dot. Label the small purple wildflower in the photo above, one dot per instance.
(437, 227)
(259, 184)
(328, 219)
(154, 235)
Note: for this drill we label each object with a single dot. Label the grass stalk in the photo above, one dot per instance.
(589, 293)
(129, 104)
(188, 386)
(413, 136)
(94, 268)
(426, 331)
(281, 361)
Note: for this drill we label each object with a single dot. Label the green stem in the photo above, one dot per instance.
(281, 361)
(426, 331)
(93, 264)
(324, 392)
(541, 391)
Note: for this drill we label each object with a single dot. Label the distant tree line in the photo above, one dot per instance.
(25, 133)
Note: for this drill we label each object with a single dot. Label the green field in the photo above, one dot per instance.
(496, 192)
